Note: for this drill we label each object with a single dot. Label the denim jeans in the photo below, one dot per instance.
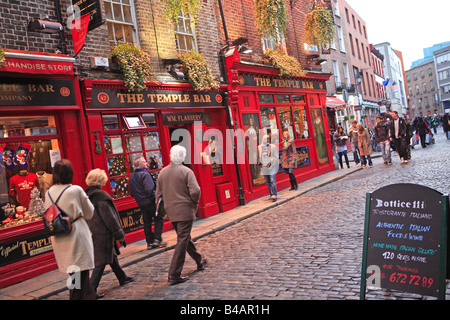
(355, 152)
(364, 161)
(271, 184)
(385, 147)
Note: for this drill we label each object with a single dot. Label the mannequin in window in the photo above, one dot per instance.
(45, 182)
(20, 187)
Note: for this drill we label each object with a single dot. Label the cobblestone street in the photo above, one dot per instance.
(309, 248)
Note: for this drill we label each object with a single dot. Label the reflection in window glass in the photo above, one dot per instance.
(284, 114)
(283, 98)
(298, 98)
(149, 119)
(301, 123)
(110, 122)
(132, 157)
(269, 123)
(154, 159)
(266, 98)
(151, 140)
(133, 142)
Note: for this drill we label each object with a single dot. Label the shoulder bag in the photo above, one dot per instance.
(56, 221)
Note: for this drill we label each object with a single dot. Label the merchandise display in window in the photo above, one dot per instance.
(25, 167)
(127, 138)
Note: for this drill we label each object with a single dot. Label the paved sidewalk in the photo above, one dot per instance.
(54, 282)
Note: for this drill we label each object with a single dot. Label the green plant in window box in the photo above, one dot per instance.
(2, 57)
(134, 63)
(288, 65)
(197, 71)
(319, 25)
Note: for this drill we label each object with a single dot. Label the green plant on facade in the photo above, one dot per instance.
(288, 65)
(174, 8)
(197, 71)
(346, 118)
(270, 18)
(2, 57)
(319, 25)
(135, 65)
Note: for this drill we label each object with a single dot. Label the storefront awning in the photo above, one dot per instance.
(333, 102)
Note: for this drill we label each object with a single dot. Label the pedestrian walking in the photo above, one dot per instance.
(142, 189)
(74, 251)
(381, 136)
(269, 160)
(409, 135)
(422, 130)
(340, 139)
(288, 157)
(106, 230)
(446, 125)
(397, 131)
(353, 134)
(178, 188)
(365, 149)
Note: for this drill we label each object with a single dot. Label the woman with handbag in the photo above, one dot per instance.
(74, 251)
(364, 146)
(289, 156)
(106, 230)
(340, 139)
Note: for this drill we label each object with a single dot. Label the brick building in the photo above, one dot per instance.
(55, 105)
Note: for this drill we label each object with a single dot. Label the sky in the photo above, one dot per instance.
(408, 25)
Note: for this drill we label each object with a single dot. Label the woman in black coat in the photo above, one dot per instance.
(422, 130)
(106, 230)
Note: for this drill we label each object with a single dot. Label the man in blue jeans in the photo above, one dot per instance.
(353, 134)
(142, 189)
(381, 136)
(268, 158)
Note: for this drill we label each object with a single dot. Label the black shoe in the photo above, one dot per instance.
(126, 280)
(157, 244)
(178, 279)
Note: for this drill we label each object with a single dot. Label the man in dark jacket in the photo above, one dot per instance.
(142, 189)
(397, 130)
(381, 136)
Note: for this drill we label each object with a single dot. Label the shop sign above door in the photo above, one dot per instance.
(113, 98)
(285, 83)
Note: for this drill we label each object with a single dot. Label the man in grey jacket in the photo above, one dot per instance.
(142, 189)
(178, 188)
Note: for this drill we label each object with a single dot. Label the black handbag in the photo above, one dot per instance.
(56, 221)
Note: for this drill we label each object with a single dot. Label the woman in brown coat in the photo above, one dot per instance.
(364, 146)
(106, 229)
(289, 156)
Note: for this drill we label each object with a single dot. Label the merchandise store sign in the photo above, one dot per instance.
(284, 83)
(36, 92)
(405, 240)
(36, 66)
(16, 250)
(112, 98)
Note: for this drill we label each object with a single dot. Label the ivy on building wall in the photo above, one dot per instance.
(174, 8)
(270, 18)
(319, 25)
(197, 71)
(288, 65)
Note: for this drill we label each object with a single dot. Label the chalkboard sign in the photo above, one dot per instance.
(405, 240)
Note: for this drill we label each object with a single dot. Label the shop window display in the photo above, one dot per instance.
(25, 167)
(126, 138)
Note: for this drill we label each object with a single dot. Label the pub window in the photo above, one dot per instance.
(185, 34)
(121, 21)
(266, 98)
(126, 138)
(300, 122)
(29, 146)
(285, 117)
(269, 122)
(283, 98)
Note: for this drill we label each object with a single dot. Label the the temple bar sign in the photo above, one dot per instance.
(285, 83)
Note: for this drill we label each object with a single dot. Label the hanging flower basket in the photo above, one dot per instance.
(197, 71)
(319, 25)
(2, 57)
(174, 8)
(270, 18)
(288, 65)
(134, 63)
